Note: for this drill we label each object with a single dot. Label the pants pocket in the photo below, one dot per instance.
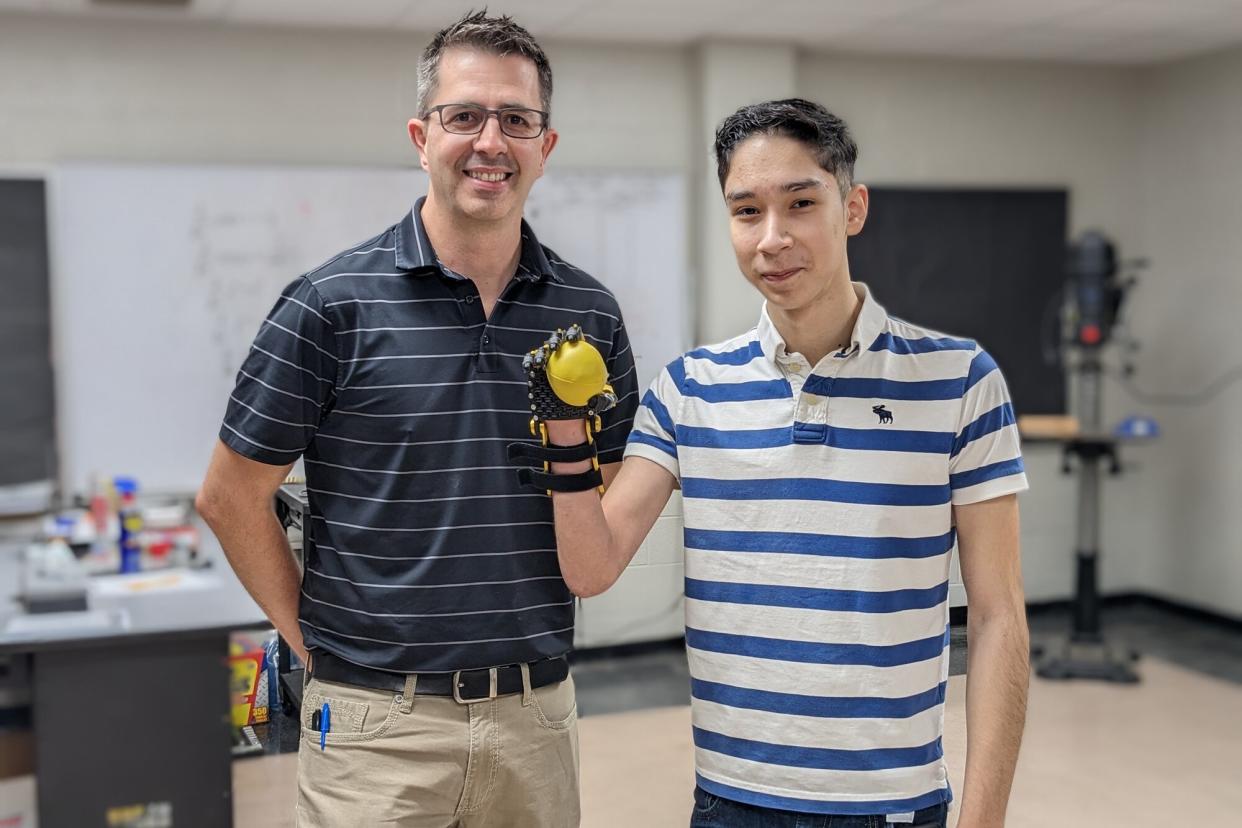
(555, 705)
(356, 714)
(704, 802)
(936, 816)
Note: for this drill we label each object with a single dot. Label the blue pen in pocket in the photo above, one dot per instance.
(325, 724)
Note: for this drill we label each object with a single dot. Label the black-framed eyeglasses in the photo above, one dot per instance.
(468, 119)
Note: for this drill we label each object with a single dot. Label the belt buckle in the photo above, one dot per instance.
(491, 687)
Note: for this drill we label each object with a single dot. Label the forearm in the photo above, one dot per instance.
(258, 550)
(998, 675)
(591, 559)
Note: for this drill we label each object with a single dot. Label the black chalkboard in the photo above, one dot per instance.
(27, 436)
(984, 264)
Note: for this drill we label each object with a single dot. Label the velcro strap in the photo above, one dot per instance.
(543, 481)
(551, 454)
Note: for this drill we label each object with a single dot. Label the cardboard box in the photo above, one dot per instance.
(18, 802)
(16, 754)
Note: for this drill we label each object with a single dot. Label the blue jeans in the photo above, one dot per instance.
(711, 811)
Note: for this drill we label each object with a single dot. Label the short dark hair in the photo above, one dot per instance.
(824, 133)
(496, 35)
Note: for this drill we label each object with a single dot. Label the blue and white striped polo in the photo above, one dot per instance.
(423, 553)
(818, 533)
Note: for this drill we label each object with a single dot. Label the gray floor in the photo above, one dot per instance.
(1204, 645)
(615, 683)
(657, 676)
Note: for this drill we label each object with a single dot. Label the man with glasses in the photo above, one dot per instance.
(432, 607)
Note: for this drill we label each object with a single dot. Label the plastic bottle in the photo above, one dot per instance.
(131, 524)
(103, 556)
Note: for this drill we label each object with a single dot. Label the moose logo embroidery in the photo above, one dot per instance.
(883, 413)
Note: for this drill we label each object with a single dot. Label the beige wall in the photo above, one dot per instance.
(981, 123)
(991, 123)
(76, 90)
(1152, 158)
(1190, 172)
(141, 91)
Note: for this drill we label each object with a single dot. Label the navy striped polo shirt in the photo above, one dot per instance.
(379, 367)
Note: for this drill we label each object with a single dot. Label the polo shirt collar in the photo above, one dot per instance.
(871, 321)
(416, 255)
(533, 263)
(769, 337)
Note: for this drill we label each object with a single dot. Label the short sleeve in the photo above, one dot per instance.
(986, 458)
(623, 377)
(655, 431)
(286, 385)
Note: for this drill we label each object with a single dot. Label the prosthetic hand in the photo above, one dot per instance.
(567, 380)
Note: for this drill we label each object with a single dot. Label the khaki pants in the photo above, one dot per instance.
(401, 759)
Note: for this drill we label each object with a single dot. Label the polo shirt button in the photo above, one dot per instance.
(486, 339)
(470, 299)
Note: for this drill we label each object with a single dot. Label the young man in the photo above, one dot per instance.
(828, 459)
(432, 606)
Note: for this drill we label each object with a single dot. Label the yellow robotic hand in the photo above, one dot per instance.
(566, 380)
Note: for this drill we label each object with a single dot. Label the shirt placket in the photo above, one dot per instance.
(811, 414)
(489, 357)
(470, 306)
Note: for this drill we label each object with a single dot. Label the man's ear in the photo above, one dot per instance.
(856, 203)
(418, 136)
(550, 137)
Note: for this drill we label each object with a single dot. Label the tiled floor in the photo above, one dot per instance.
(1158, 754)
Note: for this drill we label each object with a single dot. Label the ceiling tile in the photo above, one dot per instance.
(362, 13)
(195, 10)
(652, 21)
(692, 20)
(817, 19)
(1154, 17)
(915, 34)
(539, 17)
(1125, 31)
(1013, 13)
(1165, 46)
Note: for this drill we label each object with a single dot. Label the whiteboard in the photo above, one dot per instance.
(161, 276)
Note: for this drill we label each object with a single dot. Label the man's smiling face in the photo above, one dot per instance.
(487, 176)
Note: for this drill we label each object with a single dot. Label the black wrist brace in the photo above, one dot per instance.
(545, 479)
